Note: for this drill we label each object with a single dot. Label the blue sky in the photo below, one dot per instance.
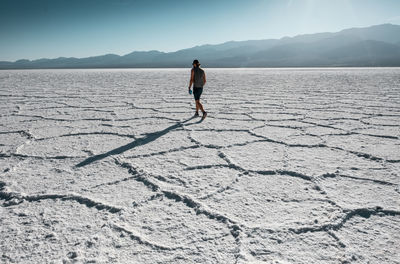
(35, 29)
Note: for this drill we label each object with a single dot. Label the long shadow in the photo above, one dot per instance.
(138, 142)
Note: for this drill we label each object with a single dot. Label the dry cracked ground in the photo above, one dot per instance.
(110, 166)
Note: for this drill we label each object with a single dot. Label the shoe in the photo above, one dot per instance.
(204, 115)
(196, 114)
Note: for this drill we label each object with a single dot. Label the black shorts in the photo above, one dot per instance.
(197, 92)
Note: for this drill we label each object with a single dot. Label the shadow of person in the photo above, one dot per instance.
(138, 142)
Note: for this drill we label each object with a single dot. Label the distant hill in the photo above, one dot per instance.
(372, 46)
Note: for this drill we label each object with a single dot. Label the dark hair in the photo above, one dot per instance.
(196, 62)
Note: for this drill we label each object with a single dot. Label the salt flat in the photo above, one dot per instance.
(110, 166)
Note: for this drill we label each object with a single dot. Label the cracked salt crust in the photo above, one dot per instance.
(290, 166)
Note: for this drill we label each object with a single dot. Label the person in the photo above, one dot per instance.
(198, 79)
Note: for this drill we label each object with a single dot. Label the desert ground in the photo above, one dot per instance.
(111, 166)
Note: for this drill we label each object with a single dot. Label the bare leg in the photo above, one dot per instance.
(197, 105)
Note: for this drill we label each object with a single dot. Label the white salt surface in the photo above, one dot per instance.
(290, 166)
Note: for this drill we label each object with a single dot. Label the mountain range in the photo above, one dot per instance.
(355, 47)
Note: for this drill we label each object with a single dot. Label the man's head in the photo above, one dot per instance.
(196, 63)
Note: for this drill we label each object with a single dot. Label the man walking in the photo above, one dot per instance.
(198, 79)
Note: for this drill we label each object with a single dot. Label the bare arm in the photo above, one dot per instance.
(191, 79)
(204, 79)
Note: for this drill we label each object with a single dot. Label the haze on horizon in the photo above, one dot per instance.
(73, 28)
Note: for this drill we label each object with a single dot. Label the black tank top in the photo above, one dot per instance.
(198, 77)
